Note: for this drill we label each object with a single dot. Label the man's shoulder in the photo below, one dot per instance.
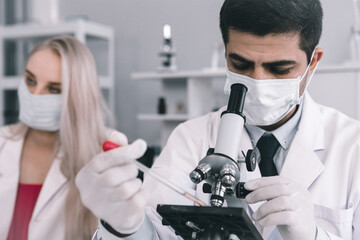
(205, 122)
(336, 118)
(331, 118)
(199, 129)
(339, 128)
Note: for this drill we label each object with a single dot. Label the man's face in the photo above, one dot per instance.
(267, 57)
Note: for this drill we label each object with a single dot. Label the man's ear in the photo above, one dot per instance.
(319, 52)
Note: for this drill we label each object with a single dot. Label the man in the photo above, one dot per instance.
(310, 189)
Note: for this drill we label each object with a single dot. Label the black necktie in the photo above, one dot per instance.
(267, 146)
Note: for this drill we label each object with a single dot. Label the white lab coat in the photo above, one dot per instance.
(324, 157)
(48, 218)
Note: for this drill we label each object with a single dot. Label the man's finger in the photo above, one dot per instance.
(279, 204)
(264, 182)
(279, 218)
(269, 192)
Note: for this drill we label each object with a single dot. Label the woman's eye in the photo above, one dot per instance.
(54, 90)
(30, 81)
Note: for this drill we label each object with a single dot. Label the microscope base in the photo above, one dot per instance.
(208, 223)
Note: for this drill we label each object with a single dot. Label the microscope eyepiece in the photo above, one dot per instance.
(236, 99)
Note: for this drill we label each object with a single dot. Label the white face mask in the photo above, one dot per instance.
(270, 100)
(41, 112)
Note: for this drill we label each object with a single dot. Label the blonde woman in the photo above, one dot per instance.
(62, 126)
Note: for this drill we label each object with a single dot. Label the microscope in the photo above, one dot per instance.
(221, 171)
(220, 167)
(167, 51)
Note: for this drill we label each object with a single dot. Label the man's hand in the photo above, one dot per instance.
(109, 188)
(288, 206)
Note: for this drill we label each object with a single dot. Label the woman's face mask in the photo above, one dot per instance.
(268, 101)
(41, 112)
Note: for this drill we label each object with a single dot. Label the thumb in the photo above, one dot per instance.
(137, 148)
(118, 138)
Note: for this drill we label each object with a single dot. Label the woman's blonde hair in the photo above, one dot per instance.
(82, 124)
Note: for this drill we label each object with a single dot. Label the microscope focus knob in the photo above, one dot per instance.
(241, 191)
(210, 151)
(251, 159)
(206, 188)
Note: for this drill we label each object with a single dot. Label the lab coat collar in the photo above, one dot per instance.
(54, 182)
(10, 153)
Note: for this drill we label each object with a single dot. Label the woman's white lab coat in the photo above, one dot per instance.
(324, 157)
(48, 218)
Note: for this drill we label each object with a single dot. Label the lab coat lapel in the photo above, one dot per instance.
(10, 153)
(302, 165)
(54, 181)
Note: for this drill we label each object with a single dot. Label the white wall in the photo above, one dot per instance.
(340, 91)
(337, 27)
(138, 26)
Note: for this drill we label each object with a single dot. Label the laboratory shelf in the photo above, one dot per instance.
(339, 68)
(79, 27)
(163, 117)
(193, 89)
(196, 74)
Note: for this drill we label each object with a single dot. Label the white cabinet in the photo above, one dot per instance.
(25, 36)
(192, 89)
(337, 86)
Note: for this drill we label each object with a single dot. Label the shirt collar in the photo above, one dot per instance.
(283, 134)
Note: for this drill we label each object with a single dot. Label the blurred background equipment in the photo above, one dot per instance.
(167, 51)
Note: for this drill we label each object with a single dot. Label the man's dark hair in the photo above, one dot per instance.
(262, 17)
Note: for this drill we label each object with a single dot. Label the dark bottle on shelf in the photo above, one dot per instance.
(161, 105)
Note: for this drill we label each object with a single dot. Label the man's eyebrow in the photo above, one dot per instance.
(280, 63)
(30, 73)
(237, 57)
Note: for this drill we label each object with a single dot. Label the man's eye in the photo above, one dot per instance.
(241, 67)
(54, 90)
(281, 71)
(30, 81)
